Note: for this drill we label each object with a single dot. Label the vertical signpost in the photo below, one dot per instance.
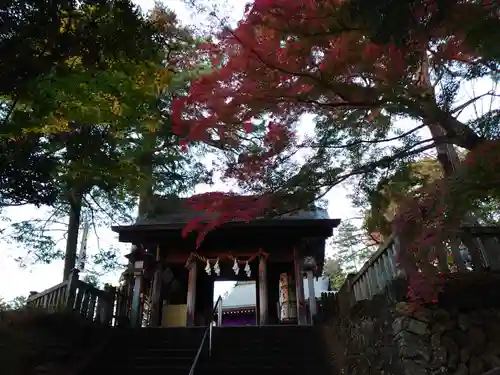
(82, 256)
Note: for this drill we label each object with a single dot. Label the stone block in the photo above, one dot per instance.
(462, 370)
(416, 326)
(409, 324)
(423, 315)
(477, 336)
(404, 308)
(441, 315)
(412, 368)
(476, 366)
(493, 348)
(413, 346)
(465, 354)
(438, 328)
(453, 361)
(399, 324)
(463, 322)
(448, 341)
(439, 357)
(492, 360)
(460, 337)
(435, 340)
(441, 370)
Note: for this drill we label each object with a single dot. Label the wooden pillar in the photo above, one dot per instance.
(130, 294)
(191, 294)
(155, 315)
(209, 305)
(71, 289)
(299, 288)
(135, 314)
(109, 304)
(156, 297)
(272, 294)
(257, 302)
(312, 296)
(263, 308)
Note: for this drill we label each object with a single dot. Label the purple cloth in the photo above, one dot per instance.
(242, 319)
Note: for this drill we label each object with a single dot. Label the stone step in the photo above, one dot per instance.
(264, 350)
(169, 333)
(157, 338)
(107, 369)
(267, 330)
(262, 371)
(297, 356)
(268, 345)
(159, 345)
(256, 364)
(145, 361)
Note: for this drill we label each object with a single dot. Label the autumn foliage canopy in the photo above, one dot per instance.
(356, 65)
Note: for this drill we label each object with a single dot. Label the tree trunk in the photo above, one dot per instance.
(448, 158)
(146, 165)
(146, 169)
(75, 202)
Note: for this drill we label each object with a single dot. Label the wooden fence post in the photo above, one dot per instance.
(109, 304)
(350, 297)
(71, 290)
(30, 303)
(122, 303)
(345, 295)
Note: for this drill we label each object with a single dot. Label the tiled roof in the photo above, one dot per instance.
(173, 210)
(244, 294)
(241, 296)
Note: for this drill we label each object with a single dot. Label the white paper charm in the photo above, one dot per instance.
(236, 267)
(208, 269)
(217, 267)
(248, 270)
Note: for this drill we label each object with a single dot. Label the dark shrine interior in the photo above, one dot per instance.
(175, 290)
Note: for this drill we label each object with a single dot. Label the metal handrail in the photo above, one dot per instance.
(218, 306)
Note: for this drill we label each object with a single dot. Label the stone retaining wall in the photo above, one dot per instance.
(362, 344)
(426, 342)
(439, 341)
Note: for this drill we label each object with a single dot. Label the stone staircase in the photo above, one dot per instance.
(147, 351)
(266, 350)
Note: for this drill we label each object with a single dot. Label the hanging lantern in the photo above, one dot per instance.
(248, 269)
(208, 269)
(217, 268)
(236, 267)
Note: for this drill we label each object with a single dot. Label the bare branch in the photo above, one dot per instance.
(374, 141)
(103, 210)
(462, 106)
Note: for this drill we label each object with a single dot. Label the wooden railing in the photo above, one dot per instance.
(52, 299)
(476, 249)
(328, 307)
(107, 306)
(377, 272)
